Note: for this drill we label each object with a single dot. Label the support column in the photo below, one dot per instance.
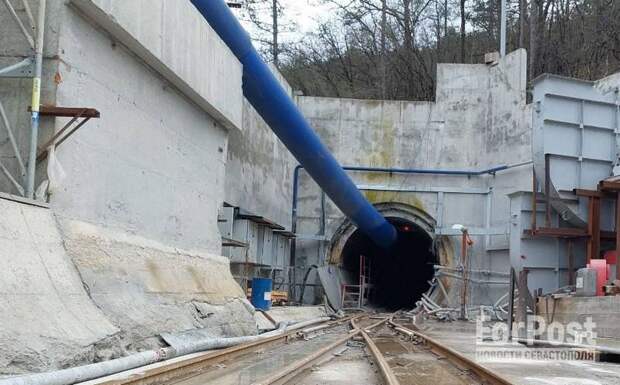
(466, 242)
(571, 263)
(618, 235)
(594, 229)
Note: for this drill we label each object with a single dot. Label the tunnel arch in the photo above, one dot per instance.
(398, 276)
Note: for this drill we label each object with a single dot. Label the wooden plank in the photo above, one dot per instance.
(587, 193)
(609, 186)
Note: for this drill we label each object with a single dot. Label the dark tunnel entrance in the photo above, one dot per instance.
(399, 276)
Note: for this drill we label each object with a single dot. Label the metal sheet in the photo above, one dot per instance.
(545, 257)
(331, 281)
(576, 127)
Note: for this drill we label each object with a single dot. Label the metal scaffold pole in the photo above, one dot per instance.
(36, 100)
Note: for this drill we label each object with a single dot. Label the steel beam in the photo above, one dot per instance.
(9, 130)
(11, 179)
(594, 229)
(23, 69)
(618, 235)
(21, 25)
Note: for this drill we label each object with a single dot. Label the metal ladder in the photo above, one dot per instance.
(355, 296)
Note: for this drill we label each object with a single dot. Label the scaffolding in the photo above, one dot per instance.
(32, 68)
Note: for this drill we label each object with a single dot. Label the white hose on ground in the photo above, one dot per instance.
(92, 371)
(101, 369)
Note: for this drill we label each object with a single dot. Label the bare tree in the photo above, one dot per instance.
(463, 20)
(275, 49)
(522, 22)
(266, 16)
(388, 48)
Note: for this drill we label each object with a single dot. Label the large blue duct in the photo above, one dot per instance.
(276, 107)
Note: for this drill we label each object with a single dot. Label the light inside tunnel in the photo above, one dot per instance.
(398, 276)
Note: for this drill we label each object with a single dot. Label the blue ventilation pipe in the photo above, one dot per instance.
(276, 107)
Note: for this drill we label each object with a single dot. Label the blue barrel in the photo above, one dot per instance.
(261, 293)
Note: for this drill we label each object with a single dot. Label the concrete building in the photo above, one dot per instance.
(152, 218)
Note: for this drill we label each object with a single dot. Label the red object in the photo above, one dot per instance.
(600, 265)
(611, 257)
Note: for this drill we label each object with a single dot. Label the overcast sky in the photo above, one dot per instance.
(305, 14)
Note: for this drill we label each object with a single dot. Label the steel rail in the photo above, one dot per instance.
(298, 366)
(455, 357)
(370, 327)
(182, 368)
(386, 370)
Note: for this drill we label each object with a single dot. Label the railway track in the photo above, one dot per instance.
(458, 360)
(407, 356)
(399, 354)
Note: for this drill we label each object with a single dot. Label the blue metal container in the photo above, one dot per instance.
(261, 293)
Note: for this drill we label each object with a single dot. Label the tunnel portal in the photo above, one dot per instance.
(397, 276)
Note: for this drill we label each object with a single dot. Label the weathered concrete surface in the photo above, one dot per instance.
(610, 83)
(296, 313)
(175, 40)
(259, 169)
(602, 311)
(461, 337)
(480, 119)
(146, 288)
(153, 165)
(144, 183)
(48, 320)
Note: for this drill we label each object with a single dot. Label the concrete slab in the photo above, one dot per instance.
(604, 312)
(296, 313)
(349, 365)
(175, 40)
(461, 336)
(47, 318)
(153, 164)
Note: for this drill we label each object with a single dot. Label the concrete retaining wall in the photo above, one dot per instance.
(479, 120)
(153, 165)
(138, 206)
(48, 320)
(259, 169)
(174, 39)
